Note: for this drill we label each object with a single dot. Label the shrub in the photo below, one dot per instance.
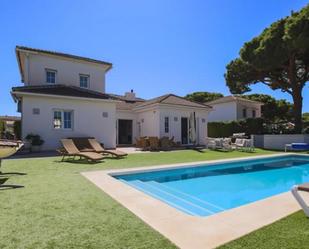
(35, 140)
(17, 129)
(226, 129)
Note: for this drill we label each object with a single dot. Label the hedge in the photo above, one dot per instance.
(226, 129)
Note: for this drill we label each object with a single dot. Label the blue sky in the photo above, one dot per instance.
(156, 47)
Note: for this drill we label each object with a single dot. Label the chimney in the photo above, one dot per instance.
(130, 95)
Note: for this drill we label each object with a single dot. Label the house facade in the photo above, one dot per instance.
(64, 96)
(231, 108)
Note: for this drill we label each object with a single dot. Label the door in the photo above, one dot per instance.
(184, 130)
(125, 131)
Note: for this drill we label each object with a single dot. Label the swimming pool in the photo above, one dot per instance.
(207, 189)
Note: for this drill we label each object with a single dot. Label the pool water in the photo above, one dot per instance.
(207, 189)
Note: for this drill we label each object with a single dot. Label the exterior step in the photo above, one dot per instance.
(192, 199)
(172, 199)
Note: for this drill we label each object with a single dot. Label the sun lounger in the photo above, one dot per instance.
(99, 149)
(9, 148)
(295, 191)
(70, 149)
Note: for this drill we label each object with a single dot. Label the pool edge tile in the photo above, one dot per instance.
(182, 229)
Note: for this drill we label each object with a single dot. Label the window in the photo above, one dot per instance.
(36, 111)
(67, 120)
(166, 124)
(63, 119)
(57, 119)
(84, 81)
(244, 113)
(51, 76)
(253, 113)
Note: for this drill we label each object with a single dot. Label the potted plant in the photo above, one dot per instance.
(35, 142)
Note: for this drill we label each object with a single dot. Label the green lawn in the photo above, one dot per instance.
(58, 208)
(291, 232)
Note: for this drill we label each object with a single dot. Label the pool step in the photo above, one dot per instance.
(192, 199)
(170, 198)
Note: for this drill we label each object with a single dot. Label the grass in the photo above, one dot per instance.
(58, 208)
(291, 232)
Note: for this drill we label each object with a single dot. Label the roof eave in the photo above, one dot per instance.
(63, 55)
(151, 106)
(19, 65)
(16, 94)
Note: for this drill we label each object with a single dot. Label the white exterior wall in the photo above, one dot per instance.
(278, 142)
(223, 112)
(233, 110)
(149, 122)
(88, 120)
(249, 107)
(68, 71)
(175, 126)
(128, 115)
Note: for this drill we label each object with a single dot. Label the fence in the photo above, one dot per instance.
(278, 142)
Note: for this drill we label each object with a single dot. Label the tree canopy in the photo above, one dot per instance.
(278, 58)
(306, 116)
(203, 97)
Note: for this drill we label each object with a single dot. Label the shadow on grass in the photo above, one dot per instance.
(230, 151)
(85, 161)
(8, 186)
(78, 161)
(12, 174)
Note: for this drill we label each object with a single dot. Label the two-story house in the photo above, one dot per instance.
(230, 108)
(64, 96)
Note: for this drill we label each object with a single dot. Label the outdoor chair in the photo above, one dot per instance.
(243, 144)
(138, 143)
(70, 150)
(248, 146)
(165, 143)
(239, 143)
(172, 142)
(215, 143)
(227, 144)
(210, 142)
(154, 143)
(97, 147)
(144, 143)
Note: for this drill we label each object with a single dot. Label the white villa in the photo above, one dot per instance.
(64, 96)
(230, 108)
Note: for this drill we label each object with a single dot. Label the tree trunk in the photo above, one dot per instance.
(298, 106)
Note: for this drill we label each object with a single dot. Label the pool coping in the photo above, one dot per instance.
(188, 231)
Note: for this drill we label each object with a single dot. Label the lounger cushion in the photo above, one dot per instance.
(300, 146)
(91, 155)
(303, 187)
(117, 152)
